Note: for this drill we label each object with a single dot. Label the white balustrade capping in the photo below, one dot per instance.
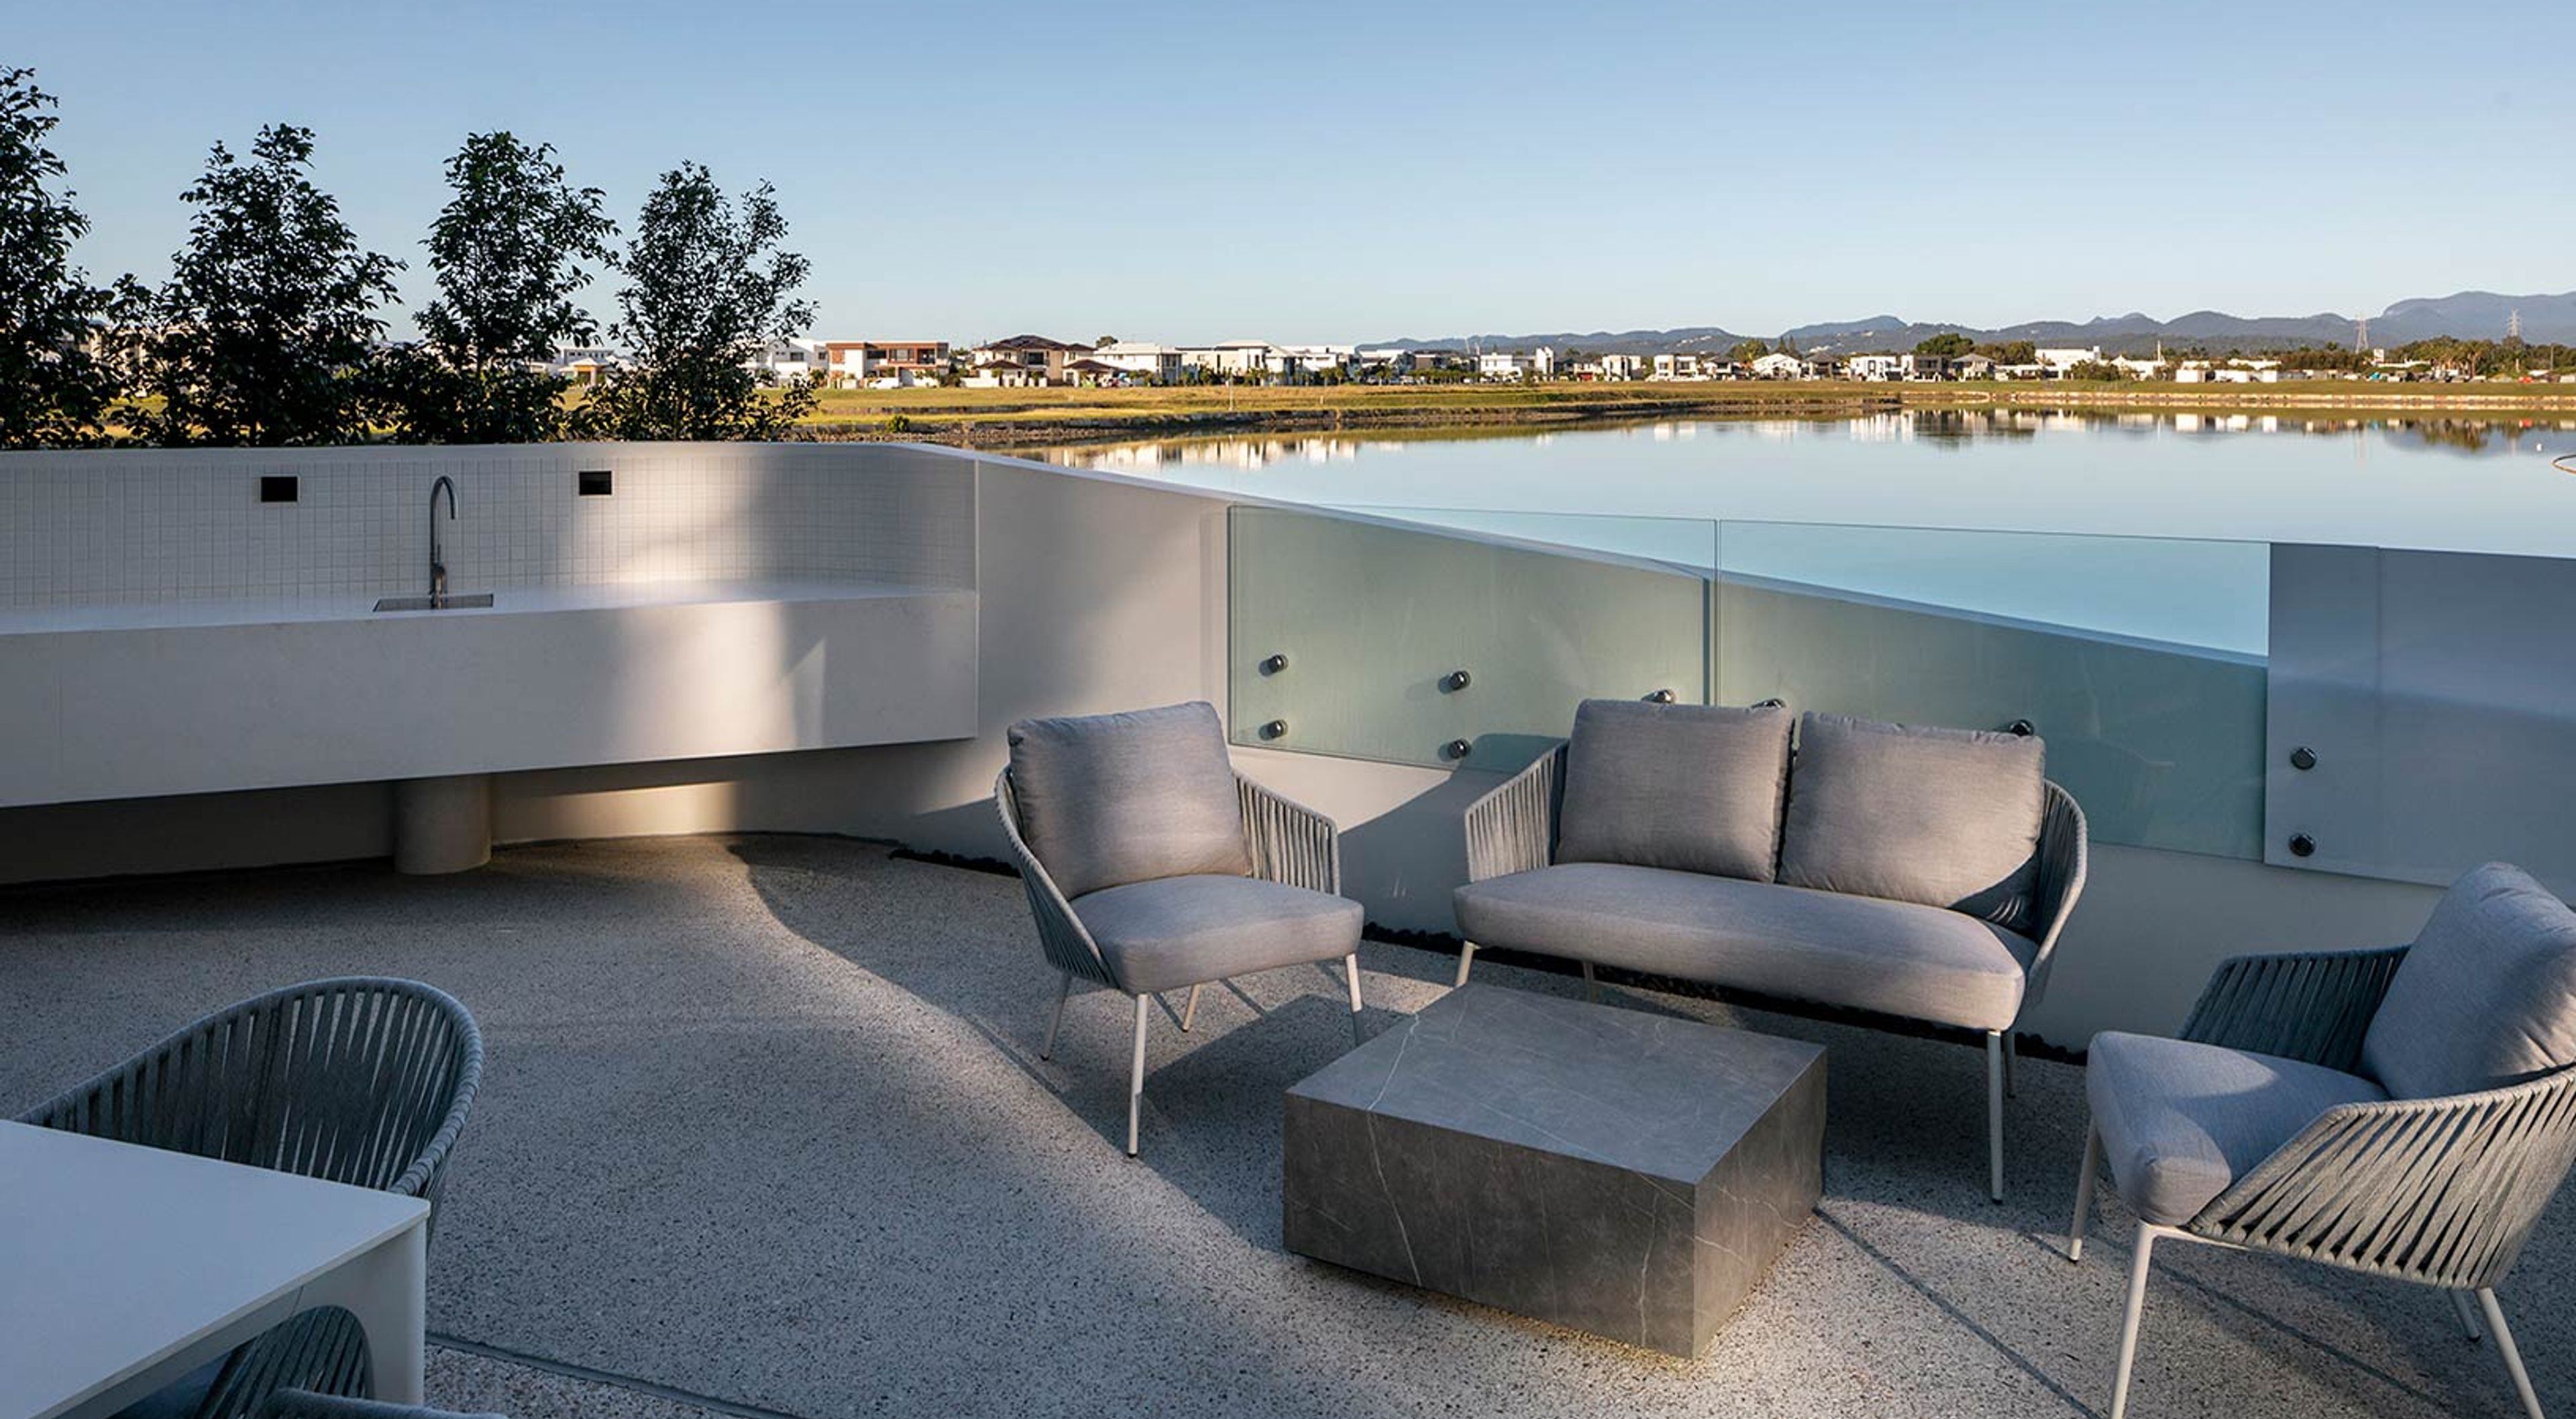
(85, 528)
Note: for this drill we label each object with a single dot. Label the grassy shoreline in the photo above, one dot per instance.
(1031, 418)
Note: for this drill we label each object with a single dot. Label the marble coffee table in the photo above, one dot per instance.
(1614, 1171)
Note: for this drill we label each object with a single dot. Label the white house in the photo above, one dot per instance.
(1141, 359)
(789, 361)
(2058, 362)
(2140, 369)
(1621, 366)
(1504, 364)
(1876, 367)
(1677, 366)
(1778, 365)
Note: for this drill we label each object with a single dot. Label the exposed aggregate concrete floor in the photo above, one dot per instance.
(763, 1129)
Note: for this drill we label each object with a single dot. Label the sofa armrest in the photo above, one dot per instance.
(1068, 945)
(2064, 855)
(1289, 841)
(1513, 828)
(2439, 1191)
(2312, 1006)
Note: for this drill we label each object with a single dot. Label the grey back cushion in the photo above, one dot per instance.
(2487, 995)
(1109, 799)
(1943, 817)
(1693, 788)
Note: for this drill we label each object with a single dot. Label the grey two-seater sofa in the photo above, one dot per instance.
(1900, 870)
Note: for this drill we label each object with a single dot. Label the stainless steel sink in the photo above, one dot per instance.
(475, 601)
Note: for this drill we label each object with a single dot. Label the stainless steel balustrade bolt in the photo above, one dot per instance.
(1660, 697)
(2301, 845)
(1275, 663)
(1275, 729)
(1457, 748)
(2303, 758)
(1455, 681)
(2022, 727)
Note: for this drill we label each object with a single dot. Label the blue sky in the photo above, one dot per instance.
(1329, 171)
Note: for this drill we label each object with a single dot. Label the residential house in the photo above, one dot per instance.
(1504, 365)
(1920, 367)
(1677, 366)
(2058, 362)
(1972, 366)
(1779, 365)
(1142, 360)
(788, 361)
(1621, 366)
(1023, 360)
(857, 364)
(1877, 368)
(2140, 369)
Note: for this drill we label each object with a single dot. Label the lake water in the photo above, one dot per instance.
(2155, 526)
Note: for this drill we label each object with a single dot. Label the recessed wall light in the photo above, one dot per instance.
(593, 482)
(277, 487)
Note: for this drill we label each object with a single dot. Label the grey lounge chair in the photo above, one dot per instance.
(359, 1081)
(2405, 1113)
(1151, 865)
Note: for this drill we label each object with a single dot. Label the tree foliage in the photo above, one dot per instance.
(707, 289)
(56, 379)
(263, 331)
(1747, 351)
(512, 250)
(1948, 345)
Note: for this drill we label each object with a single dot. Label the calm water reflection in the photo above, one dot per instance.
(2150, 525)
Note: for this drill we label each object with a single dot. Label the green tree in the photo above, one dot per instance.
(706, 290)
(56, 377)
(1747, 351)
(513, 247)
(265, 326)
(1948, 345)
(2011, 352)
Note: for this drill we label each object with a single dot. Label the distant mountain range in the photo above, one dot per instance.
(2483, 315)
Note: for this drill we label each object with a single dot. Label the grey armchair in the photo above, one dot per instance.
(2405, 1113)
(1150, 865)
(354, 1080)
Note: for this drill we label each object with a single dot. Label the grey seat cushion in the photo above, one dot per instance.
(2486, 997)
(1113, 798)
(1176, 931)
(1696, 788)
(2180, 1122)
(1898, 958)
(1944, 817)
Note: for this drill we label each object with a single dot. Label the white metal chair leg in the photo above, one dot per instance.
(2467, 1307)
(1995, 1115)
(1351, 968)
(1591, 985)
(2084, 1192)
(1136, 1076)
(1190, 1011)
(2129, 1322)
(1055, 1022)
(2512, 1354)
(1466, 958)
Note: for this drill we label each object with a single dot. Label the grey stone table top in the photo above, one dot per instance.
(1644, 1093)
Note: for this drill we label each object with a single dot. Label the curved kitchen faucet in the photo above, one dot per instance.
(437, 560)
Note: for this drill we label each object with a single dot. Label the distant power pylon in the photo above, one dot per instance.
(2513, 325)
(2361, 332)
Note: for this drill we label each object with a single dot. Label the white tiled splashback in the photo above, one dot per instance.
(83, 528)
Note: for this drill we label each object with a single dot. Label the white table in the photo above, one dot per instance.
(122, 1268)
